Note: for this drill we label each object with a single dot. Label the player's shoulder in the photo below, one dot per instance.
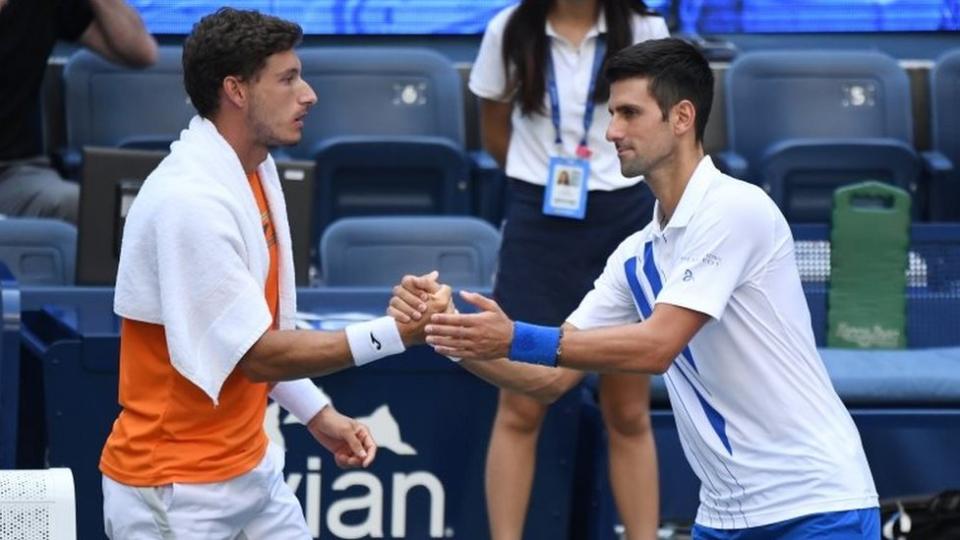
(736, 202)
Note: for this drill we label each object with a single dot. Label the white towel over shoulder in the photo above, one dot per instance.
(195, 259)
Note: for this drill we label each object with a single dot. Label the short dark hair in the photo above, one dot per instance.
(675, 70)
(231, 42)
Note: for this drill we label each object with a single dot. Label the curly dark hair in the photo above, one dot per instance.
(231, 42)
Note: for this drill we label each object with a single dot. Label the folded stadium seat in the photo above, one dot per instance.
(489, 187)
(802, 174)
(9, 367)
(365, 176)
(801, 124)
(942, 162)
(113, 106)
(377, 251)
(39, 251)
(387, 133)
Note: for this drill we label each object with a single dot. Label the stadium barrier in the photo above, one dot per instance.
(432, 420)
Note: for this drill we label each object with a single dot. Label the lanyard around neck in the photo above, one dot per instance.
(599, 52)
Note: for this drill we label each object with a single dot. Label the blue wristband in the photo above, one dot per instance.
(534, 344)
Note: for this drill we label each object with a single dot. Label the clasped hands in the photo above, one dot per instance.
(421, 302)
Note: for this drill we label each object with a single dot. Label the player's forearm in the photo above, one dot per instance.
(635, 348)
(538, 382)
(281, 355)
(124, 32)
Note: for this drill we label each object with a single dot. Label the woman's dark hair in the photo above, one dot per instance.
(525, 46)
(231, 42)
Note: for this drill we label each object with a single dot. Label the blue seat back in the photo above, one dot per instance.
(39, 251)
(379, 91)
(375, 176)
(945, 106)
(9, 367)
(801, 175)
(773, 96)
(109, 105)
(379, 251)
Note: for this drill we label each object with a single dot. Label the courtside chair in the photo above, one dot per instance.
(942, 161)
(803, 123)
(39, 251)
(113, 106)
(378, 251)
(387, 133)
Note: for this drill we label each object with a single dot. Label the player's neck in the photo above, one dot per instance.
(240, 137)
(669, 181)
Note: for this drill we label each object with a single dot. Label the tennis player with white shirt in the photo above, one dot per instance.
(714, 285)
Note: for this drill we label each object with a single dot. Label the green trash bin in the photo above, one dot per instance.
(870, 238)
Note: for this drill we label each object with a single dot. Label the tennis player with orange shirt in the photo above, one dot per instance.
(206, 294)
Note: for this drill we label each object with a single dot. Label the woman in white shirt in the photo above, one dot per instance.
(543, 116)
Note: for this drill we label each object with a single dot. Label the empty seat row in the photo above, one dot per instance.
(367, 251)
(387, 133)
(801, 124)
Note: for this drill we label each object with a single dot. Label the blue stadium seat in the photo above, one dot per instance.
(113, 106)
(387, 133)
(9, 367)
(39, 251)
(404, 176)
(942, 162)
(379, 91)
(379, 251)
(802, 174)
(801, 124)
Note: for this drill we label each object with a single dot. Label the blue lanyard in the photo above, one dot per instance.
(601, 50)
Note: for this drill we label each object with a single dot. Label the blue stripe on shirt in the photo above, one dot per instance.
(653, 276)
(716, 419)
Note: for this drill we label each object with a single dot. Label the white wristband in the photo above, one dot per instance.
(372, 340)
(301, 398)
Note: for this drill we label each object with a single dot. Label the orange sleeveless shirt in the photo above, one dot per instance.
(169, 430)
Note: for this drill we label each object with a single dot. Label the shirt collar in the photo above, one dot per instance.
(599, 27)
(693, 194)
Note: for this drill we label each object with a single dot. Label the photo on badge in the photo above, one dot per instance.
(566, 193)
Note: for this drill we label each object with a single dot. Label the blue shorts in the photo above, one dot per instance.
(847, 525)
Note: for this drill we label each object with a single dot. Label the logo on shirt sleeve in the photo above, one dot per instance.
(688, 275)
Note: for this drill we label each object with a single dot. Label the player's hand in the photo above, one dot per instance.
(478, 336)
(410, 297)
(414, 300)
(349, 441)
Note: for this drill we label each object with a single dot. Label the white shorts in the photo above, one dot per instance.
(256, 505)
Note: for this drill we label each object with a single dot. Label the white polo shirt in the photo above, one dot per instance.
(759, 420)
(532, 139)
